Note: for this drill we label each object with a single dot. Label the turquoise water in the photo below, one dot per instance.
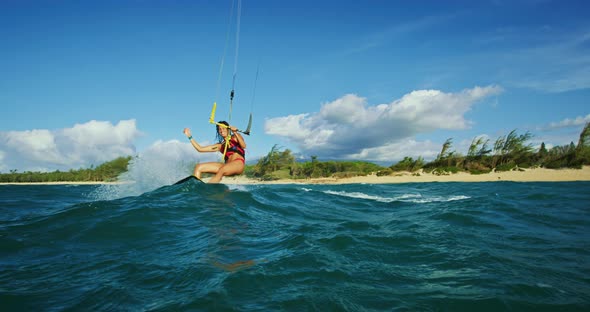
(360, 247)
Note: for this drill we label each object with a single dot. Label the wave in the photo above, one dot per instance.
(412, 198)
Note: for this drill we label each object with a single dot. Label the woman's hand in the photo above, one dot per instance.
(187, 132)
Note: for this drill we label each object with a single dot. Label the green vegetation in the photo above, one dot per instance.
(108, 171)
(509, 152)
(281, 164)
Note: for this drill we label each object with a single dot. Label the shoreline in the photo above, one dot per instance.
(527, 175)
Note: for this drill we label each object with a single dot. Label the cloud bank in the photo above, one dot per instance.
(90, 143)
(349, 128)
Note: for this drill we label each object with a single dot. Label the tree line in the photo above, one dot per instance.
(282, 164)
(509, 152)
(107, 172)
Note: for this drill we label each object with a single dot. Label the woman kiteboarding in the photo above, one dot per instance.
(233, 147)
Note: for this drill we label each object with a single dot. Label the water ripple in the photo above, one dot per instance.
(430, 246)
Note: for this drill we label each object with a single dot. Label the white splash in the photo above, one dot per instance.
(161, 164)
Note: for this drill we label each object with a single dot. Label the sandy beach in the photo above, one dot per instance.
(527, 175)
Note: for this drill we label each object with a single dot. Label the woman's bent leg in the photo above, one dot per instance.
(210, 167)
(228, 169)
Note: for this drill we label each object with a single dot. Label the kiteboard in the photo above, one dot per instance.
(189, 178)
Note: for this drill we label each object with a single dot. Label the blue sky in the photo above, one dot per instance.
(83, 82)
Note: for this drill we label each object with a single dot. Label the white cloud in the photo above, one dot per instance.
(2, 166)
(288, 126)
(96, 133)
(566, 123)
(36, 145)
(94, 142)
(349, 128)
(398, 150)
(561, 132)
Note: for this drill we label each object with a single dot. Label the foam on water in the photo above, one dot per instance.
(414, 198)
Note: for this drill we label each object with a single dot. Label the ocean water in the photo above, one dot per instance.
(360, 247)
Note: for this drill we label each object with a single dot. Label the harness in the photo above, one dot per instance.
(231, 148)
